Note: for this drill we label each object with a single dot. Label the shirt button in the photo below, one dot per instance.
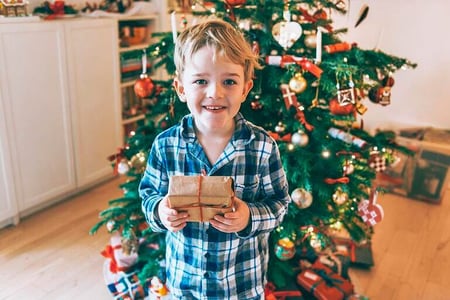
(206, 275)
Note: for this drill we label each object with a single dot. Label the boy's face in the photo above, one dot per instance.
(213, 90)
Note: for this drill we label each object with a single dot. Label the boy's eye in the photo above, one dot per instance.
(230, 82)
(200, 81)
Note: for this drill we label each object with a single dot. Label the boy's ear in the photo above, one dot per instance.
(247, 87)
(177, 84)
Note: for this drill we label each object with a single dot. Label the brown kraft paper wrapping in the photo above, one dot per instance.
(202, 197)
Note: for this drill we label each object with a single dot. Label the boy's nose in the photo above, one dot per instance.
(215, 91)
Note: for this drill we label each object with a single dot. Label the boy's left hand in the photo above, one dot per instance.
(234, 221)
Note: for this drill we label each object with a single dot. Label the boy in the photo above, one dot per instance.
(225, 258)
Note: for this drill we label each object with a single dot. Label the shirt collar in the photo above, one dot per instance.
(242, 133)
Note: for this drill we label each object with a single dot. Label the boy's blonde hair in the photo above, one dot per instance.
(221, 36)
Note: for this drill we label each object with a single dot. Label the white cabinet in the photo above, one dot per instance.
(36, 107)
(8, 207)
(93, 75)
(60, 106)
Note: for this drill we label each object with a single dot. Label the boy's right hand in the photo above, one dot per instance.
(170, 218)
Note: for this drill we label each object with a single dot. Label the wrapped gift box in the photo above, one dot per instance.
(337, 262)
(360, 255)
(119, 260)
(286, 293)
(426, 176)
(325, 284)
(202, 197)
(124, 286)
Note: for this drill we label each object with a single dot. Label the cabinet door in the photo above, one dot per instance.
(8, 207)
(92, 53)
(35, 98)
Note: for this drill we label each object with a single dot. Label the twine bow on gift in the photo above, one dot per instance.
(199, 194)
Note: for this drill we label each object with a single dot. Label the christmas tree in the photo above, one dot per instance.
(310, 97)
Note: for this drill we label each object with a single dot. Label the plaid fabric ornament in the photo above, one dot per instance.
(371, 213)
(377, 161)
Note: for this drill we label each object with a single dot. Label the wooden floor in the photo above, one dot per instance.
(51, 256)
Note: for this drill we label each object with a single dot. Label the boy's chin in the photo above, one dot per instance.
(211, 123)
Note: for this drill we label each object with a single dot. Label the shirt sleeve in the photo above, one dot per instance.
(267, 214)
(153, 187)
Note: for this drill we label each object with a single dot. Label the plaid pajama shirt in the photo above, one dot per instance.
(202, 262)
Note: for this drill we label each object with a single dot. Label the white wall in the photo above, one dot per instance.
(419, 31)
(414, 29)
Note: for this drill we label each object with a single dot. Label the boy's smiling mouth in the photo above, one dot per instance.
(210, 107)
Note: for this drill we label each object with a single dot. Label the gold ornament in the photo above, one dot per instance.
(298, 83)
(138, 162)
(130, 243)
(310, 41)
(340, 197)
(348, 167)
(285, 249)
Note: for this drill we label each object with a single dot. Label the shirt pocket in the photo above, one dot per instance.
(247, 189)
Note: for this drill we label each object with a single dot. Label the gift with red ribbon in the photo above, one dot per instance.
(119, 260)
(324, 284)
(360, 254)
(124, 286)
(202, 197)
(338, 263)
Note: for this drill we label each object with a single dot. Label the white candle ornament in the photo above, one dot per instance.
(319, 45)
(173, 23)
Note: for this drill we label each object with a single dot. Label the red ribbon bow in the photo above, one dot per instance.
(337, 180)
(108, 252)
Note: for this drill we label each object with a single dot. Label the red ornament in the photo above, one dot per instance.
(338, 109)
(380, 94)
(388, 81)
(235, 2)
(144, 86)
